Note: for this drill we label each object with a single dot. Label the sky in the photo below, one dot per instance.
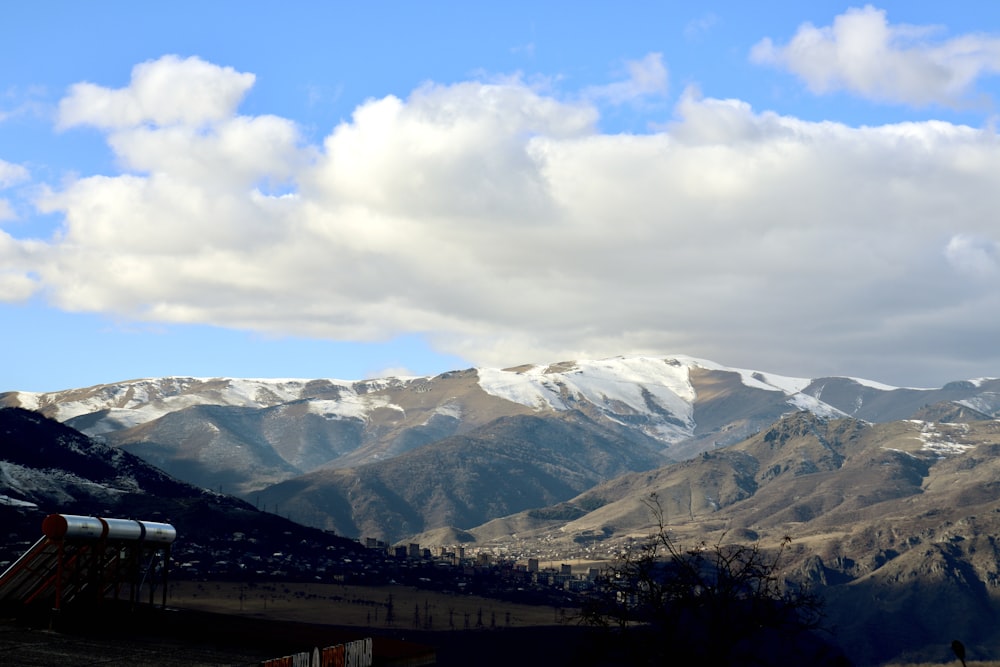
(353, 190)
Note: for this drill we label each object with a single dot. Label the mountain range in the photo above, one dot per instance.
(396, 457)
(891, 495)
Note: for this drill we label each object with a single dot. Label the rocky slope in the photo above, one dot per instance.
(895, 524)
(509, 465)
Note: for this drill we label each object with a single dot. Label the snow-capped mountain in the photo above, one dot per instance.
(243, 434)
(531, 435)
(617, 387)
(621, 388)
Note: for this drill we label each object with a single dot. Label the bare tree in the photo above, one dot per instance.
(717, 602)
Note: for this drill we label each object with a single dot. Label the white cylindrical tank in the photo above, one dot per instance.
(123, 529)
(61, 526)
(160, 533)
(71, 526)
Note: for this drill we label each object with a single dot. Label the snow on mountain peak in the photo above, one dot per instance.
(751, 378)
(155, 397)
(658, 388)
(654, 394)
(625, 380)
(618, 381)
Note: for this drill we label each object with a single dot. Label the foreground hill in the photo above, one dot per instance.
(47, 467)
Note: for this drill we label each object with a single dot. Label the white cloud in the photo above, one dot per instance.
(15, 286)
(166, 91)
(456, 152)
(6, 211)
(18, 259)
(864, 54)
(498, 221)
(12, 174)
(646, 78)
(247, 149)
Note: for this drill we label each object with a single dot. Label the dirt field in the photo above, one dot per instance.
(399, 607)
(214, 624)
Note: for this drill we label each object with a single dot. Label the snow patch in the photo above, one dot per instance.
(815, 406)
(14, 502)
(349, 406)
(51, 484)
(900, 451)
(453, 410)
(942, 444)
(29, 400)
(617, 386)
(876, 385)
(988, 403)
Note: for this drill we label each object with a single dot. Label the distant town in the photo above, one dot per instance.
(523, 577)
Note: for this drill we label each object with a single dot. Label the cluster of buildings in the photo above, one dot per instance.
(466, 567)
(245, 557)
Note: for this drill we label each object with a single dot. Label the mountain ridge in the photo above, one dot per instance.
(528, 384)
(674, 399)
(260, 439)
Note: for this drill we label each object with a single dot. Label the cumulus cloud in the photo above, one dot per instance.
(862, 53)
(167, 91)
(499, 222)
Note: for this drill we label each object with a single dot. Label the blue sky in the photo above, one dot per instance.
(354, 189)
